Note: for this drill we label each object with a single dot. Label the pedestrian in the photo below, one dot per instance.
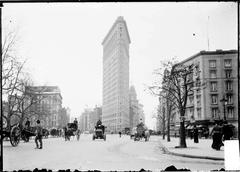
(38, 135)
(76, 123)
(227, 131)
(206, 132)
(191, 133)
(120, 133)
(217, 137)
(78, 134)
(27, 123)
(195, 134)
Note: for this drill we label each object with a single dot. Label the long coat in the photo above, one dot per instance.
(195, 134)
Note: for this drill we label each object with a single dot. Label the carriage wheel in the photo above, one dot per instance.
(15, 135)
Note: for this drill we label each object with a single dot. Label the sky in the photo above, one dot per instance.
(62, 42)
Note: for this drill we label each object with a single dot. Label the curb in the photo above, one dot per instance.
(165, 150)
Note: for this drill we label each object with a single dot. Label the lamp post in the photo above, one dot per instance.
(224, 100)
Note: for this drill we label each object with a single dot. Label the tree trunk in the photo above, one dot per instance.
(168, 127)
(182, 135)
(163, 126)
(169, 109)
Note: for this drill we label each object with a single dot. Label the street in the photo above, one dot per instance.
(113, 154)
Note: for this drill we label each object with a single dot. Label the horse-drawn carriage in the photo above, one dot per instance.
(141, 132)
(13, 132)
(71, 130)
(27, 132)
(99, 132)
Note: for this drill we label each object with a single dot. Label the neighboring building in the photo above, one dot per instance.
(217, 73)
(141, 113)
(115, 109)
(133, 103)
(63, 118)
(136, 114)
(48, 107)
(84, 120)
(89, 118)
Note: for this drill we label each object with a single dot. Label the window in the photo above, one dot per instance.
(228, 73)
(229, 99)
(214, 99)
(212, 63)
(213, 73)
(213, 86)
(230, 112)
(229, 86)
(228, 63)
(214, 113)
(199, 100)
(199, 113)
(190, 99)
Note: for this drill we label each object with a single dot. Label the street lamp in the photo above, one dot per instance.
(224, 100)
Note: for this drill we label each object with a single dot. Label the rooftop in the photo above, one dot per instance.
(218, 51)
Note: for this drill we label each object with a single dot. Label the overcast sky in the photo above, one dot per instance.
(62, 42)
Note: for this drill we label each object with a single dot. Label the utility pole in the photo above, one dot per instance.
(208, 33)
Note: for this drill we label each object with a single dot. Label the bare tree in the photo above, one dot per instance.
(12, 71)
(176, 82)
(14, 81)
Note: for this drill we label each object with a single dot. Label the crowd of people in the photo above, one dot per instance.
(221, 131)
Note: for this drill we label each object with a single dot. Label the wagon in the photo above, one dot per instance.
(141, 132)
(14, 133)
(71, 130)
(28, 132)
(99, 133)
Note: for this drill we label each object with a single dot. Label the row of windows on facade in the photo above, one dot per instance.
(227, 63)
(113, 91)
(115, 101)
(229, 112)
(191, 99)
(117, 33)
(214, 99)
(115, 72)
(114, 52)
(213, 73)
(110, 76)
(122, 74)
(110, 109)
(228, 86)
(191, 113)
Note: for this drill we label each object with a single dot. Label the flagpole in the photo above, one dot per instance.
(208, 33)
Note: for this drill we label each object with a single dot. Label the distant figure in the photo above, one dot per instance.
(78, 134)
(76, 123)
(206, 132)
(39, 134)
(120, 133)
(27, 123)
(195, 134)
(99, 125)
(217, 137)
(227, 131)
(191, 134)
(99, 122)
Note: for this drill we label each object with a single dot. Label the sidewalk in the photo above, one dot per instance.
(201, 150)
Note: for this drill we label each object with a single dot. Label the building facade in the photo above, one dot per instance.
(115, 108)
(133, 103)
(89, 118)
(217, 78)
(48, 106)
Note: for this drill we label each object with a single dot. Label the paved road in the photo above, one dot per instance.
(113, 154)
